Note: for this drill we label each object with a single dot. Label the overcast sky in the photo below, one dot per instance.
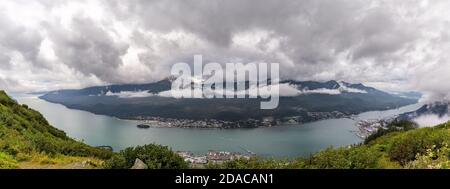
(392, 45)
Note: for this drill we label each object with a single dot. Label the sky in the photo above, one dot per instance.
(400, 45)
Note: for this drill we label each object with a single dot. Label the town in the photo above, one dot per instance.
(149, 121)
(368, 127)
(214, 157)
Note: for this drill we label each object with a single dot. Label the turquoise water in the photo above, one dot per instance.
(282, 141)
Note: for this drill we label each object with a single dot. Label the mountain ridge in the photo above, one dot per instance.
(304, 107)
(439, 109)
(165, 85)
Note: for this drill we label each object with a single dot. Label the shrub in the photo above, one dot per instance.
(405, 146)
(155, 156)
(397, 125)
(252, 163)
(434, 158)
(7, 161)
(356, 157)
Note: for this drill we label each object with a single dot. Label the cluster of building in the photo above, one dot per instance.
(368, 127)
(327, 115)
(314, 116)
(254, 123)
(209, 123)
(248, 123)
(215, 157)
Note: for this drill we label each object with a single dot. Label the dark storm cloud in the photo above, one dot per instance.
(216, 21)
(315, 32)
(14, 37)
(390, 43)
(10, 85)
(4, 61)
(89, 49)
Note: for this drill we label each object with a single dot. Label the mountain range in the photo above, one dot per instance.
(311, 101)
(440, 109)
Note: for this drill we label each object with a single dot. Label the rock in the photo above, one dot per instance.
(88, 163)
(109, 148)
(139, 164)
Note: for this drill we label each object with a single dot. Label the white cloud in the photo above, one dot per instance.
(54, 44)
(130, 94)
(431, 120)
(285, 90)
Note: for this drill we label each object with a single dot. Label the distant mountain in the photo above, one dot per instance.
(315, 100)
(156, 87)
(312, 85)
(438, 108)
(334, 85)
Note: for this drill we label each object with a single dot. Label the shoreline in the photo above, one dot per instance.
(278, 124)
(217, 142)
(250, 123)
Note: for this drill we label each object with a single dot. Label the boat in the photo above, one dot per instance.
(143, 126)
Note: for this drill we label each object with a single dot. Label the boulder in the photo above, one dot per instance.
(139, 164)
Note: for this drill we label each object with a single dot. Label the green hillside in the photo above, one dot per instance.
(28, 141)
(424, 148)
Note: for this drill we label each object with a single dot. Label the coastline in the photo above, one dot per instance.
(287, 140)
(156, 122)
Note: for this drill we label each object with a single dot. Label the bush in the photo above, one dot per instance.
(252, 163)
(397, 125)
(7, 161)
(356, 157)
(404, 150)
(405, 146)
(434, 158)
(44, 144)
(155, 156)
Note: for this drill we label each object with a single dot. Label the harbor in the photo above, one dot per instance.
(213, 156)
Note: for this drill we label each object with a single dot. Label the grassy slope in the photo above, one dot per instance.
(418, 148)
(28, 141)
(414, 149)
